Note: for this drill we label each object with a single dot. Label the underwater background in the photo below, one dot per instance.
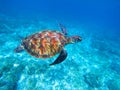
(92, 64)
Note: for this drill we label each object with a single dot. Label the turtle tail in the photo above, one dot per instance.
(19, 49)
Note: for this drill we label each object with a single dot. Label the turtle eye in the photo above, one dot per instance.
(79, 39)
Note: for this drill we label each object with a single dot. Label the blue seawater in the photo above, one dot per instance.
(92, 64)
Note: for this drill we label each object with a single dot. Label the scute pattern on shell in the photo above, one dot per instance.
(44, 44)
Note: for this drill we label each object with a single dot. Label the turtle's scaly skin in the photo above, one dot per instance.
(44, 44)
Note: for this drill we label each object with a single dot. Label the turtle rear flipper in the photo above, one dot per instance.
(61, 57)
(18, 49)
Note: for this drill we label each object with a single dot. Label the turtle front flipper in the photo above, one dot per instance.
(63, 29)
(61, 57)
(19, 48)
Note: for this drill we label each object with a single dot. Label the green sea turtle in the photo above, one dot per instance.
(48, 43)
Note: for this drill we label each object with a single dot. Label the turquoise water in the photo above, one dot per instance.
(92, 64)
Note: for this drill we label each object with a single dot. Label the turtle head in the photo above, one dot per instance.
(74, 39)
